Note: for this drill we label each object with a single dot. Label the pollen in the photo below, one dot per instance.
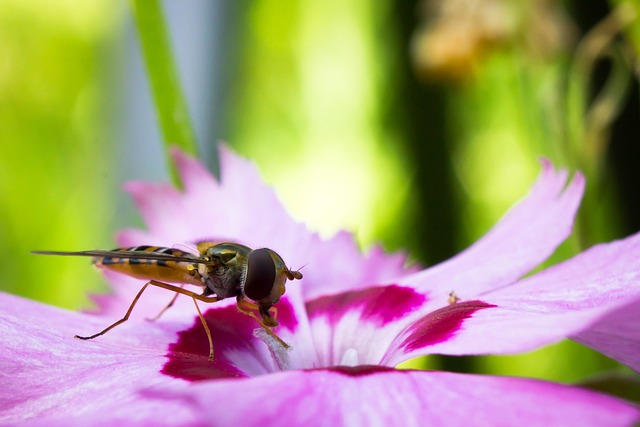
(279, 353)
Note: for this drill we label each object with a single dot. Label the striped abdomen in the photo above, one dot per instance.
(136, 263)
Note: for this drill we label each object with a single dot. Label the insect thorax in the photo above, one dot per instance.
(223, 281)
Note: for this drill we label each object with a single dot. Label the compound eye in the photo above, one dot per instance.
(261, 274)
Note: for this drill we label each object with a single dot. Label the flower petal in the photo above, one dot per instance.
(123, 291)
(384, 397)
(245, 209)
(237, 349)
(523, 238)
(356, 327)
(617, 335)
(242, 208)
(432, 331)
(338, 265)
(562, 301)
(49, 375)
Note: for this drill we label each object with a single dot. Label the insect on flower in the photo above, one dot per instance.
(222, 270)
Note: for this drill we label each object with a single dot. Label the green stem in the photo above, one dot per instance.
(169, 100)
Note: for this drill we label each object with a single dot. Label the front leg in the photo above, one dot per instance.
(267, 323)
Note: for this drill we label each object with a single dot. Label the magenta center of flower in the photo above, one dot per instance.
(441, 325)
(232, 335)
(378, 305)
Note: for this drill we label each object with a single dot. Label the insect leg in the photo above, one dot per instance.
(176, 289)
(180, 290)
(245, 307)
(194, 296)
(274, 312)
(206, 328)
(248, 304)
(167, 307)
(124, 319)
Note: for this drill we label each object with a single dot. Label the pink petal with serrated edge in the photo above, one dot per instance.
(523, 238)
(563, 300)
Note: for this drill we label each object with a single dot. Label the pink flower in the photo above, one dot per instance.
(349, 321)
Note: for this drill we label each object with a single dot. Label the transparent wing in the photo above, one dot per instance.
(133, 255)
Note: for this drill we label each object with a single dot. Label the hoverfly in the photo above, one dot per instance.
(222, 270)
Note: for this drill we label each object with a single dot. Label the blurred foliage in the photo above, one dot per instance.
(308, 98)
(619, 383)
(421, 133)
(56, 155)
(413, 124)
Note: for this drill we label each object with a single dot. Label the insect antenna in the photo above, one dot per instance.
(294, 274)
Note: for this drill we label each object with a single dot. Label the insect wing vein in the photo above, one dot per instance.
(142, 255)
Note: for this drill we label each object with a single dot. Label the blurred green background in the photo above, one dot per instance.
(416, 124)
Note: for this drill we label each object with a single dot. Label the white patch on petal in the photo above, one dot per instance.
(350, 357)
(279, 353)
(334, 341)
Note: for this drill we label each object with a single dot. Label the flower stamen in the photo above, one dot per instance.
(279, 352)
